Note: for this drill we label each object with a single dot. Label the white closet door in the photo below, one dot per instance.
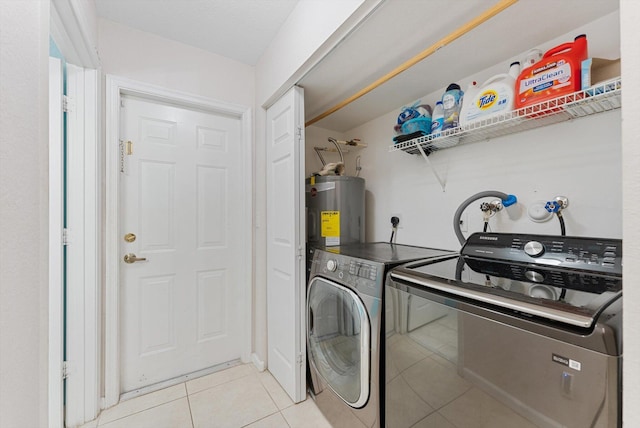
(285, 243)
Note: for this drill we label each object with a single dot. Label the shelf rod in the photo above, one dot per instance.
(426, 158)
(461, 31)
(352, 143)
(330, 150)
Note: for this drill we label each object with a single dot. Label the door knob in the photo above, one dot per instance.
(131, 258)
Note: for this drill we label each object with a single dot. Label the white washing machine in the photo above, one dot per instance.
(345, 321)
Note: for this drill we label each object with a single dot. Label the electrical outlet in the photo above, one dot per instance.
(400, 217)
(464, 222)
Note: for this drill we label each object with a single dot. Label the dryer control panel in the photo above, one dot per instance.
(365, 276)
(363, 270)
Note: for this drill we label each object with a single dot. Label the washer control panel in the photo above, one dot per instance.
(534, 248)
(588, 254)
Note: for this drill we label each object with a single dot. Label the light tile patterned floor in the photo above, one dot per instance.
(236, 397)
(424, 387)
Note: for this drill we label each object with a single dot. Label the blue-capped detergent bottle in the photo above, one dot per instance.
(494, 97)
(452, 103)
(437, 119)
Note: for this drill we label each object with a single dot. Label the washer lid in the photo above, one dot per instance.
(567, 296)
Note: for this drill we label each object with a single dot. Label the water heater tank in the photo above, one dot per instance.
(335, 210)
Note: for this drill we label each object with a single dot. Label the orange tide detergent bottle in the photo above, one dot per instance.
(558, 73)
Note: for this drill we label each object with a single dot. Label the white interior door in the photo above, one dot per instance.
(285, 243)
(179, 197)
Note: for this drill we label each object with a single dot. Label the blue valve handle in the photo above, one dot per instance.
(553, 206)
(509, 200)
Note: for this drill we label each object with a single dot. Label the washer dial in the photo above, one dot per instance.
(534, 248)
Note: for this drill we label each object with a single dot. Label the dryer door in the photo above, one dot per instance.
(338, 339)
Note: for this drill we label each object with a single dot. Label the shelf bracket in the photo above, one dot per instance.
(426, 158)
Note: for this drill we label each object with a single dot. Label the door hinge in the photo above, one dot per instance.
(65, 236)
(66, 370)
(300, 253)
(299, 133)
(67, 103)
(300, 359)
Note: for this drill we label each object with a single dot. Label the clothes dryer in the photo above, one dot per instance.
(345, 325)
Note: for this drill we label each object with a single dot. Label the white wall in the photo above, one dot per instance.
(24, 70)
(145, 57)
(629, 18)
(579, 159)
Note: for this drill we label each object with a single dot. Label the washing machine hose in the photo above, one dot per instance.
(507, 200)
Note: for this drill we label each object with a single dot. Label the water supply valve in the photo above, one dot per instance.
(552, 207)
(495, 205)
(505, 201)
(557, 205)
(490, 208)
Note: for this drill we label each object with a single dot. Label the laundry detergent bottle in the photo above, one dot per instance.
(558, 73)
(437, 119)
(452, 103)
(494, 97)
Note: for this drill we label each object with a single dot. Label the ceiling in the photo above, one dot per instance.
(236, 29)
(395, 32)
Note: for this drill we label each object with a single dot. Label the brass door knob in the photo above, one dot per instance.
(131, 258)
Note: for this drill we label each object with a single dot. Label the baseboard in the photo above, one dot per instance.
(260, 365)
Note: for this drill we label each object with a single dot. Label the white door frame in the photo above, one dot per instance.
(56, 259)
(70, 28)
(116, 87)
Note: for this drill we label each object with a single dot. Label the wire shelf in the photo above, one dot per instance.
(596, 99)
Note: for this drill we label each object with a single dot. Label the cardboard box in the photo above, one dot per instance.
(598, 70)
(604, 69)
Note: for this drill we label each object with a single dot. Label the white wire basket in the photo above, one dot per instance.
(596, 99)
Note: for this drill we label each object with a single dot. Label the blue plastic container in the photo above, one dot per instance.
(422, 123)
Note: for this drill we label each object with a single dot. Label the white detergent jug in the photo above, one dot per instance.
(493, 97)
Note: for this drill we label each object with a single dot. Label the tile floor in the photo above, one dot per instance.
(425, 389)
(236, 397)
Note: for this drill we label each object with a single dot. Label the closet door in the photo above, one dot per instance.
(285, 243)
